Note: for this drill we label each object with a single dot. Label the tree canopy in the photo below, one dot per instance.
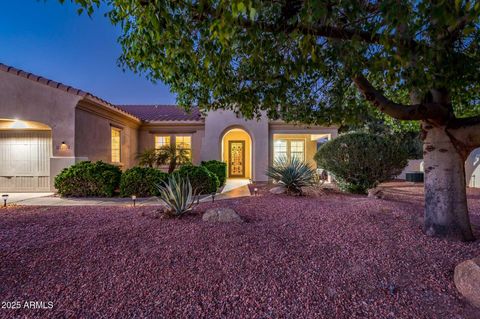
(296, 59)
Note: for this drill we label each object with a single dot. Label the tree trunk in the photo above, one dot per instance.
(446, 211)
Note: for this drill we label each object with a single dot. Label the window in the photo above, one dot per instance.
(297, 149)
(289, 149)
(116, 145)
(184, 142)
(161, 141)
(280, 149)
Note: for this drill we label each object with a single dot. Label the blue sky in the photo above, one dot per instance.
(52, 40)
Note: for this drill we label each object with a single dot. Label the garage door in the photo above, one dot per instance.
(25, 161)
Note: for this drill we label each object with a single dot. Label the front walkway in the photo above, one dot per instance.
(233, 188)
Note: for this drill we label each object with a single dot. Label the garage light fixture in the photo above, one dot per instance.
(64, 146)
(5, 197)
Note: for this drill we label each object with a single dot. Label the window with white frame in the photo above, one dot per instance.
(289, 149)
(116, 145)
(280, 149)
(184, 142)
(161, 141)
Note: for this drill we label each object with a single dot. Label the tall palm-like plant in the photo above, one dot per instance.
(292, 174)
(170, 155)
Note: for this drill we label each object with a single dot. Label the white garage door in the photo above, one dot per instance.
(25, 161)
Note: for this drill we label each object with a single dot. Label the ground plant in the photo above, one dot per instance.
(88, 179)
(178, 195)
(293, 174)
(360, 161)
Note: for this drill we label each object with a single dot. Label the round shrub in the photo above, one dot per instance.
(203, 181)
(141, 181)
(87, 179)
(218, 168)
(360, 161)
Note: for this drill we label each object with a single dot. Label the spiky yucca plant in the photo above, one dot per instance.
(292, 174)
(177, 194)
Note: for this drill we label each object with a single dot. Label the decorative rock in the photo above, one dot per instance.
(467, 280)
(376, 193)
(278, 190)
(222, 215)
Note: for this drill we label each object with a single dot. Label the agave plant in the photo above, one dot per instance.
(177, 194)
(292, 174)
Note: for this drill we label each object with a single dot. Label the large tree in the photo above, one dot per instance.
(310, 60)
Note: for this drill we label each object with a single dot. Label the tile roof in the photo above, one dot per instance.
(154, 113)
(60, 86)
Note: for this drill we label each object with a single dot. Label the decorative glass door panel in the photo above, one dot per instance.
(236, 151)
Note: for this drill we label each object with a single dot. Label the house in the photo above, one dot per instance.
(46, 126)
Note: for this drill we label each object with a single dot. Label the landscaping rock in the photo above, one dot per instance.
(278, 190)
(222, 215)
(376, 193)
(467, 280)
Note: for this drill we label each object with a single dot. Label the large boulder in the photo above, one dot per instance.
(376, 193)
(278, 190)
(222, 215)
(467, 280)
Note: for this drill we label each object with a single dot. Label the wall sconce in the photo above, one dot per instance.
(5, 197)
(63, 147)
(134, 199)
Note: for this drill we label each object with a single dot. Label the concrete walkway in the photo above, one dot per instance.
(232, 189)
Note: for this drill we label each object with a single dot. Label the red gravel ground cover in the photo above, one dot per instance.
(335, 256)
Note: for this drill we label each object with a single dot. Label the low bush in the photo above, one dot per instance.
(88, 179)
(292, 174)
(218, 168)
(360, 161)
(178, 195)
(203, 181)
(141, 181)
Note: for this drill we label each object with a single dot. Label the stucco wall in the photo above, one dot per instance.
(24, 99)
(217, 123)
(472, 169)
(93, 136)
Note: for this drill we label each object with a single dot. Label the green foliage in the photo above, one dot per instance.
(218, 168)
(87, 179)
(169, 155)
(141, 181)
(203, 181)
(295, 59)
(177, 194)
(292, 174)
(360, 161)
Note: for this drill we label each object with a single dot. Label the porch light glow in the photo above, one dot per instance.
(17, 124)
(64, 146)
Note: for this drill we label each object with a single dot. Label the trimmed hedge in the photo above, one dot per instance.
(87, 179)
(141, 181)
(360, 161)
(203, 181)
(218, 168)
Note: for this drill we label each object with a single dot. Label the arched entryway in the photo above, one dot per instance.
(236, 151)
(25, 152)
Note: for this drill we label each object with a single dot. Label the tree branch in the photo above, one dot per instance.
(466, 130)
(422, 111)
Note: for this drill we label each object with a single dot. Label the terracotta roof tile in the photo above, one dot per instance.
(154, 113)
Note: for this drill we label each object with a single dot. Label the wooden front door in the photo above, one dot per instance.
(236, 165)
